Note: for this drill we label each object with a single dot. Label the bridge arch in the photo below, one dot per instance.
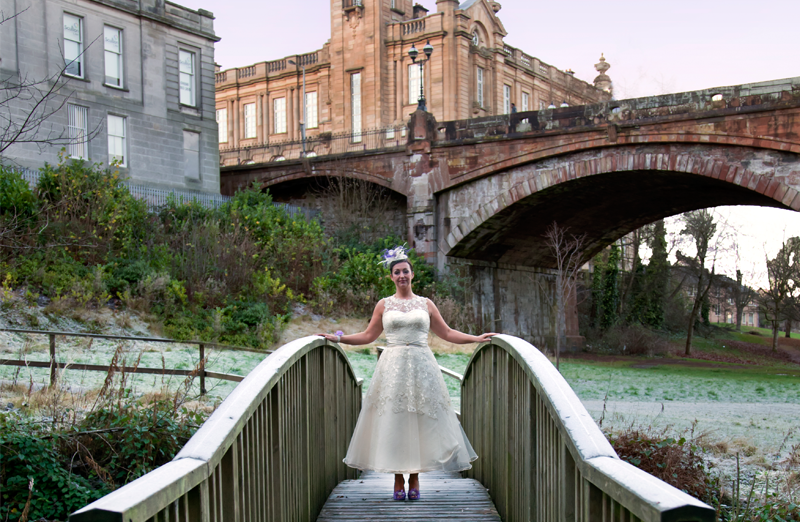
(607, 193)
(304, 176)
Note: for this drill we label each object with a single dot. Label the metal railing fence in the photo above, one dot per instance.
(272, 451)
(324, 144)
(157, 198)
(542, 456)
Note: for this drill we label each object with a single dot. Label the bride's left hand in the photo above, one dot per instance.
(485, 338)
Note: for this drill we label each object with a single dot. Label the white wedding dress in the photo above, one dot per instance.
(407, 423)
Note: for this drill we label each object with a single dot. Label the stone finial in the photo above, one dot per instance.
(603, 82)
(496, 7)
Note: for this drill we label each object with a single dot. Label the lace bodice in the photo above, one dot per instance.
(407, 378)
(406, 321)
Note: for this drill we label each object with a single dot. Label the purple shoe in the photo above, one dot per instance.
(401, 494)
(413, 494)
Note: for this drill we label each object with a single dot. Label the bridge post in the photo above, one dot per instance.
(421, 213)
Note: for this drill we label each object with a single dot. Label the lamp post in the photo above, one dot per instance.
(303, 123)
(413, 53)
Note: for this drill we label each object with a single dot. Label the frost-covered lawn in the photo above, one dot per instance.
(101, 352)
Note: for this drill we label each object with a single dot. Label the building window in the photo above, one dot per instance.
(73, 45)
(112, 40)
(312, 111)
(480, 86)
(506, 99)
(187, 78)
(476, 39)
(250, 121)
(78, 130)
(191, 154)
(279, 107)
(542, 105)
(222, 123)
(116, 140)
(355, 103)
(414, 78)
(526, 102)
(390, 134)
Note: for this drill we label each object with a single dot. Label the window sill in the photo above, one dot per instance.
(123, 89)
(397, 10)
(70, 77)
(191, 110)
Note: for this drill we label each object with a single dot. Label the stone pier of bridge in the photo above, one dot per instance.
(480, 193)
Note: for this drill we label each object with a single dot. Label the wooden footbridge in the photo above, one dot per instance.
(273, 452)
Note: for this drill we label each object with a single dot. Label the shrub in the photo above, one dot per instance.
(88, 212)
(16, 197)
(672, 460)
(633, 339)
(29, 453)
(136, 438)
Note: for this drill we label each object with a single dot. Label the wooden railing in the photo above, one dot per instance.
(542, 457)
(272, 451)
(54, 365)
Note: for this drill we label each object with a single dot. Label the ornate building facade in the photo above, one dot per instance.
(134, 86)
(363, 78)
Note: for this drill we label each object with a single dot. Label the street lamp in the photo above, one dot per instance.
(413, 53)
(303, 123)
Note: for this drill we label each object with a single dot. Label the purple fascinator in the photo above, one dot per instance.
(398, 253)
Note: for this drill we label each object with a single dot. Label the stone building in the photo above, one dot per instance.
(363, 78)
(139, 86)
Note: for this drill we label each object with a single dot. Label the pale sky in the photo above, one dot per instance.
(653, 46)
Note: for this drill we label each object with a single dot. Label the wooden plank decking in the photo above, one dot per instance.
(444, 496)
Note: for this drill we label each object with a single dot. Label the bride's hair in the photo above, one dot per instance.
(397, 262)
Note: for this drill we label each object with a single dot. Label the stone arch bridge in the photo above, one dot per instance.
(481, 192)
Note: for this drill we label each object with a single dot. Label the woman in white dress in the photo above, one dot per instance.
(407, 423)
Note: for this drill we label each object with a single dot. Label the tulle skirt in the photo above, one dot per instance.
(407, 424)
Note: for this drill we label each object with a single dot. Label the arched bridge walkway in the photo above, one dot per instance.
(273, 452)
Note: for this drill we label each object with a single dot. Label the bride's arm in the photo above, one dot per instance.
(367, 336)
(440, 328)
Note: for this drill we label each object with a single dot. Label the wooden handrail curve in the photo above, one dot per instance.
(273, 450)
(542, 456)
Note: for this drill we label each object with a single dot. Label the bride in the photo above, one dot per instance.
(407, 424)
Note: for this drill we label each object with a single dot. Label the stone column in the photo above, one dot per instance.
(230, 105)
(421, 210)
(265, 118)
(236, 122)
(290, 121)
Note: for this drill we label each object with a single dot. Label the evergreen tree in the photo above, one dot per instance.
(610, 289)
(657, 277)
(597, 290)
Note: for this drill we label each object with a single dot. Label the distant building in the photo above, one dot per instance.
(721, 299)
(363, 78)
(140, 86)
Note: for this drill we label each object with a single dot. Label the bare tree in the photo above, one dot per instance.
(700, 227)
(777, 301)
(568, 253)
(26, 105)
(354, 206)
